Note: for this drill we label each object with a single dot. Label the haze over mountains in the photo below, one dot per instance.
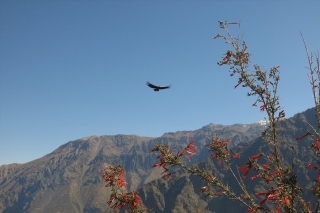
(69, 178)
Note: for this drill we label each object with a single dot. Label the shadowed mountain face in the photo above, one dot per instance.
(69, 178)
(181, 192)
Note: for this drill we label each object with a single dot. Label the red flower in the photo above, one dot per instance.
(255, 177)
(189, 149)
(286, 201)
(202, 189)
(311, 166)
(157, 164)
(236, 156)
(244, 169)
(317, 146)
(268, 179)
(121, 182)
(256, 156)
(213, 156)
(276, 172)
(233, 23)
(262, 108)
(227, 141)
(167, 175)
(137, 201)
(244, 196)
(213, 142)
(110, 201)
(153, 149)
(252, 209)
(299, 138)
(270, 196)
(224, 60)
(187, 158)
(308, 208)
(260, 193)
(190, 152)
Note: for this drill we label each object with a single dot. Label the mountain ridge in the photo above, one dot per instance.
(293, 128)
(69, 178)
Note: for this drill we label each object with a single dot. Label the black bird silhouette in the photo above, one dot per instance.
(157, 88)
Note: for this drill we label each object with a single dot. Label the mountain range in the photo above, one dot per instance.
(181, 192)
(69, 178)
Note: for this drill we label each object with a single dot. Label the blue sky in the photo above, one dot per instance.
(71, 69)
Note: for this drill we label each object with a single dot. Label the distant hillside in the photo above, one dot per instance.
(181, 192)
(69, 179)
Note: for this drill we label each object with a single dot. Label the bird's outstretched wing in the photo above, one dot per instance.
(157, 87)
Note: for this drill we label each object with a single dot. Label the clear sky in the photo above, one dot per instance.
(71, 69)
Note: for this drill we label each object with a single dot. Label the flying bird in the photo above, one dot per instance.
(157, 88)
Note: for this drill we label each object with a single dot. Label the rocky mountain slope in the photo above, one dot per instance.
(69, 179)
(181, 192)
